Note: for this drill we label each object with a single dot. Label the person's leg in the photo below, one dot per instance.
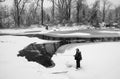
(78, 63)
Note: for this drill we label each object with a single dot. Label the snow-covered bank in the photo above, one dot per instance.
(41, 30)
(118, 32)
(100, 61)
(16, 31)
(38, 29)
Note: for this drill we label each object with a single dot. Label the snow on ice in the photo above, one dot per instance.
(100, 61)
(76, 34)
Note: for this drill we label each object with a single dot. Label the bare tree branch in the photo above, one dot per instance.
(37, 5)
(23, 6)
(19, 2)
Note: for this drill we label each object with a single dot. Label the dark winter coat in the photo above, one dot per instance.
(78, 55)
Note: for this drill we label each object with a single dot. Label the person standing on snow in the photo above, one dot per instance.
(78, 58)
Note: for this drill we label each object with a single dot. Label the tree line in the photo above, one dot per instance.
(25, 13)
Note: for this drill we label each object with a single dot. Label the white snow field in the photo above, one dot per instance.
(39, 29)
(75, 34)
(100, 61)
(118, 32)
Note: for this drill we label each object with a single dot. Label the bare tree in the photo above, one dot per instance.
(69, 9)
(81, 11)
(94, 17)
(53, 10)
(106, 6)
(33, 15)
(78, 8)
(37, 5)
(110, 16)
(37, 14)
(117, 14)
(42, 14)
(19, 6)
(64, 10)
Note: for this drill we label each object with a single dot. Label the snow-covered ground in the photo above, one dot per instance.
(13, 31)
(43, 30)
(75, 34)
(100, 61)
(118, 32)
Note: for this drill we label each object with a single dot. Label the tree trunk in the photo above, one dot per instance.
(1, 24)
(18, 18)
(53, 10)
(77, 14)
(42, 18)
(17, 13)
(103, 19)
(69, 9)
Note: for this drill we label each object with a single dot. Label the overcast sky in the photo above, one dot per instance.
(48, 4)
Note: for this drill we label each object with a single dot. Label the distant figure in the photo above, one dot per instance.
(78, 58)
